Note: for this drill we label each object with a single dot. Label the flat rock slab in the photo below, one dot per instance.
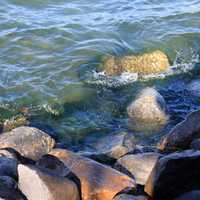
(98, 181)
(139, 165)
(174, 174)
(37, 185)
(182, 134)
(29, 142)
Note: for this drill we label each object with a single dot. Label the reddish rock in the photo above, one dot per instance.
(98, 181)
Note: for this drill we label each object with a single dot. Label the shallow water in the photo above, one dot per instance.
(49, 50)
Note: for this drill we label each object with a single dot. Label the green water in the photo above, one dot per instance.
(47, 47)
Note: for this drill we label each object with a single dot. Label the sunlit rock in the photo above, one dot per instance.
(148, 111)
(147, 63)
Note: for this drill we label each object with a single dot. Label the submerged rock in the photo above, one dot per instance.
(98, 181)
(148, 111)
(148, 63)
(181, 136)
(37, 185)
(29, 142)
(174, 175)
(139, 165)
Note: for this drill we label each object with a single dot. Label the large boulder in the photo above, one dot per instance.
(174, 175)
(97, 181)
(181, 136)
(139, 165)
(192, 195)
(39, 185)
(147, 63)
(29, 142)
(148, 112)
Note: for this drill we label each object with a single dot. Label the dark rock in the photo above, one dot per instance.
(193, 195)
(98, 181)
(139, 165)
(36, 184)
(29, 142)
(174, 175)
(182, 134)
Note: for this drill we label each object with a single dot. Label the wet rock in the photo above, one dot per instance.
(8, 167)
(192, 195)
(138, 165)
(29, 142)
(97, 181)
(182, 134)
(174, 175)
(129, 197)
(148, 63)
(195, 144)
(194, 88)
(148, 111)
(111, 147)
(36, 184)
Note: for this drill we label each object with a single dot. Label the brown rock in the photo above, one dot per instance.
(182, 134)
(174, 174)
(147, 63)
(139, 165)
(98, 181)
(29, 142)
(36, 184)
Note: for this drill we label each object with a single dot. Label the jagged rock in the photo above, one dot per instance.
(39, 185)
(29, 142)
(192, 195)
(148, 111)
(98, 181)
(138, 165)
(174, 175)
(182, 134)
(148, 63)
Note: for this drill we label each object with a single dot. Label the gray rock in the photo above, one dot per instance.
(192, 195)
(148, 112)
(139, 165)
(39, 185)
(29, 142)
(182, 134)
(173, 175)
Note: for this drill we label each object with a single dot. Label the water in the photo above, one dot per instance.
(50, 49)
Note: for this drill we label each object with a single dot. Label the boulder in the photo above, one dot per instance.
(192, 195)
(39, 185)
(181, 136)
(97, 181)
(173, 175)
(29, 142)
(138, 165)
(148, 112)
(147, 63)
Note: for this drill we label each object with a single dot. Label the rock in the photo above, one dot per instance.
(98, 181)
(148, 111)
(36, 184)
(194, 88)
(8, 167)
(195, 144)
(174, 175)
(192, 195)
(138, 165)
(29, 142)
(147, 63)
(111, 147)
(182, 134)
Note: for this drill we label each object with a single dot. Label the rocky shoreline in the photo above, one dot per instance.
(31, 167)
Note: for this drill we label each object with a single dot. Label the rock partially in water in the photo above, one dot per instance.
(192, 195)
(148, 63)
(98, 181)
(28, 141)
(139, 165)
(148, 112)
(194, 88)
(181, 136)
(39, 185)
(174, 175)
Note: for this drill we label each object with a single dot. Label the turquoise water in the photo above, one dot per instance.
(49, 50)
